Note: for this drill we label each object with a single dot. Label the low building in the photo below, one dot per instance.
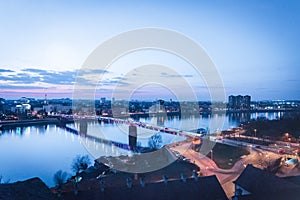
(204, 188)
(32, 189)
(57, 108)
(254, 183)
(22, 110)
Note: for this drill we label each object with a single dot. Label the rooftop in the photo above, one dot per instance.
(31, 189)
(264, 185)
(205, 188)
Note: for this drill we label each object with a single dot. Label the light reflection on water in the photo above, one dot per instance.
(37, 151)
(42, 150)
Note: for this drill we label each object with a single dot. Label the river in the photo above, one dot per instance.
(40, 151)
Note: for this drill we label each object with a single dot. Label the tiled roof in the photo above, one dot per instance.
(205, 188)
(263, 184)
(32, 189)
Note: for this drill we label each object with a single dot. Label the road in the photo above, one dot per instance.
(226, 177)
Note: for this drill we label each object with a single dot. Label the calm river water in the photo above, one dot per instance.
(40, 151)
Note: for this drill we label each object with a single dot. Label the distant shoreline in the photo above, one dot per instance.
(31, 122)
(4, 125)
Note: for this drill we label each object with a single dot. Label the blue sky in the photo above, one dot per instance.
(254, 44)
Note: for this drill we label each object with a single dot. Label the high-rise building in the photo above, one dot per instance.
(2, 105)
(239, 102)
(102, 100)
(232, 102)
(247, 101)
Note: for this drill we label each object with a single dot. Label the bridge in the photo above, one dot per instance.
(150, 127)
(62, 121)
(132, 139)
(105, 141)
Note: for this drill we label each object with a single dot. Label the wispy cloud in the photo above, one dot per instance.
(18, 78)
(166, 75)
(5, 70)
(94, 71)
(62, 78)
(34, 70)
(31, 76)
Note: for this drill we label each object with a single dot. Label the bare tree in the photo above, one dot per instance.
(80, 163)
(60, 178)
(155, 141)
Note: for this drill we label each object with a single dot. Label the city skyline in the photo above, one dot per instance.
(254, 45)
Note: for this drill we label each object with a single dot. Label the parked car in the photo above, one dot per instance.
(281, 151)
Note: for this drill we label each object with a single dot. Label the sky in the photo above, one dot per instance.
(254, 45)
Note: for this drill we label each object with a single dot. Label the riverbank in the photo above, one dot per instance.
(203, 113)
(5, 125)
(286, 129)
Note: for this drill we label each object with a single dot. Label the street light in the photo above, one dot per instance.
(255, 132)
(286, 135)
(268, 159)
(211, 155)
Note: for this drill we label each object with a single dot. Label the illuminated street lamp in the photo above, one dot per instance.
(211, 154)
(255, 132)
(286, 135)
(268, 159)
(296, 152)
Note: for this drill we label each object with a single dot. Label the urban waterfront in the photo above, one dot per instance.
(149, 100)
(42, 150)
